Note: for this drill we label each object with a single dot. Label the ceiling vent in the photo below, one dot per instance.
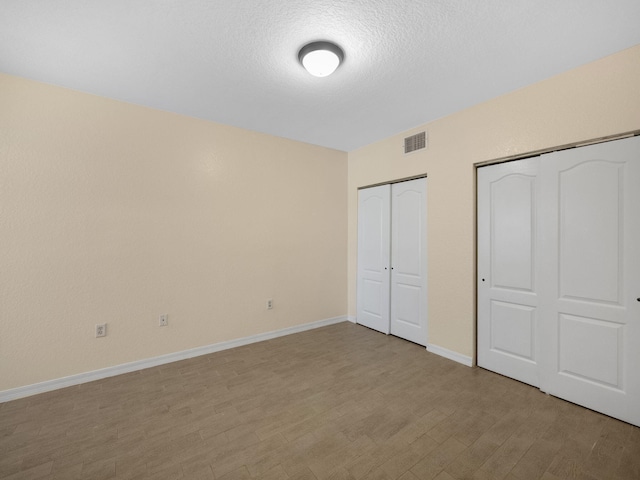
(415, 142)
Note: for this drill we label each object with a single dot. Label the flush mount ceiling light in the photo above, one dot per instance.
(321, 58)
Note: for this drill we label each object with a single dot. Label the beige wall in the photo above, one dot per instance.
(115, 213)
(596, 100)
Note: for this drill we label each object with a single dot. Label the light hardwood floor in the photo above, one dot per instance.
(340, 402)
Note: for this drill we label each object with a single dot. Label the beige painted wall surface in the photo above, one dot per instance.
(115, 213)
(596, 100)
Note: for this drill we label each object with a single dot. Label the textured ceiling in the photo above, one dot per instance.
(235, 61)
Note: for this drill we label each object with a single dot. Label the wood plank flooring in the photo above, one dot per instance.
(340, 402)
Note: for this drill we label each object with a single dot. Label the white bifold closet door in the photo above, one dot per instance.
(374, 240)
(559, 274)
(392, 259)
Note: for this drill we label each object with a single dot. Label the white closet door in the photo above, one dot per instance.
(591, 264)
(373, 258)
(409, 260)
(508, 280)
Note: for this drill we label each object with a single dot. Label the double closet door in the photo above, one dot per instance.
(392, 259)
(559, 274)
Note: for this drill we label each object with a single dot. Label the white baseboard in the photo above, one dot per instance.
(451, 355)
(443, 352)
(49, 385)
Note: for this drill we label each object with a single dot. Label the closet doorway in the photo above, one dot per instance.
(392, 259)
(559, 274)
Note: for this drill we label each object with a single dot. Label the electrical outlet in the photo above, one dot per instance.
(270, 304)
(101, 330)
(163, 320)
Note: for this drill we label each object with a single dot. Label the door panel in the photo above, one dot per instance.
(512, 329)
(591, 233)
(590, 236)
(512, 231)
(579, 338)
(507, 269)
(373, 258)
(409, 260)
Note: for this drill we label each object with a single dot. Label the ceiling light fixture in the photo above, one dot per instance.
(321, 58)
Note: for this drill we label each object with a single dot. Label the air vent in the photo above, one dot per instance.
(415, 142)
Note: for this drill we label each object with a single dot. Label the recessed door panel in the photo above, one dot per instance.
(591, 231)
(513, 330)
(407, 237)
(372, 296)
(578, 340)
(512, 232)
(406, 303)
